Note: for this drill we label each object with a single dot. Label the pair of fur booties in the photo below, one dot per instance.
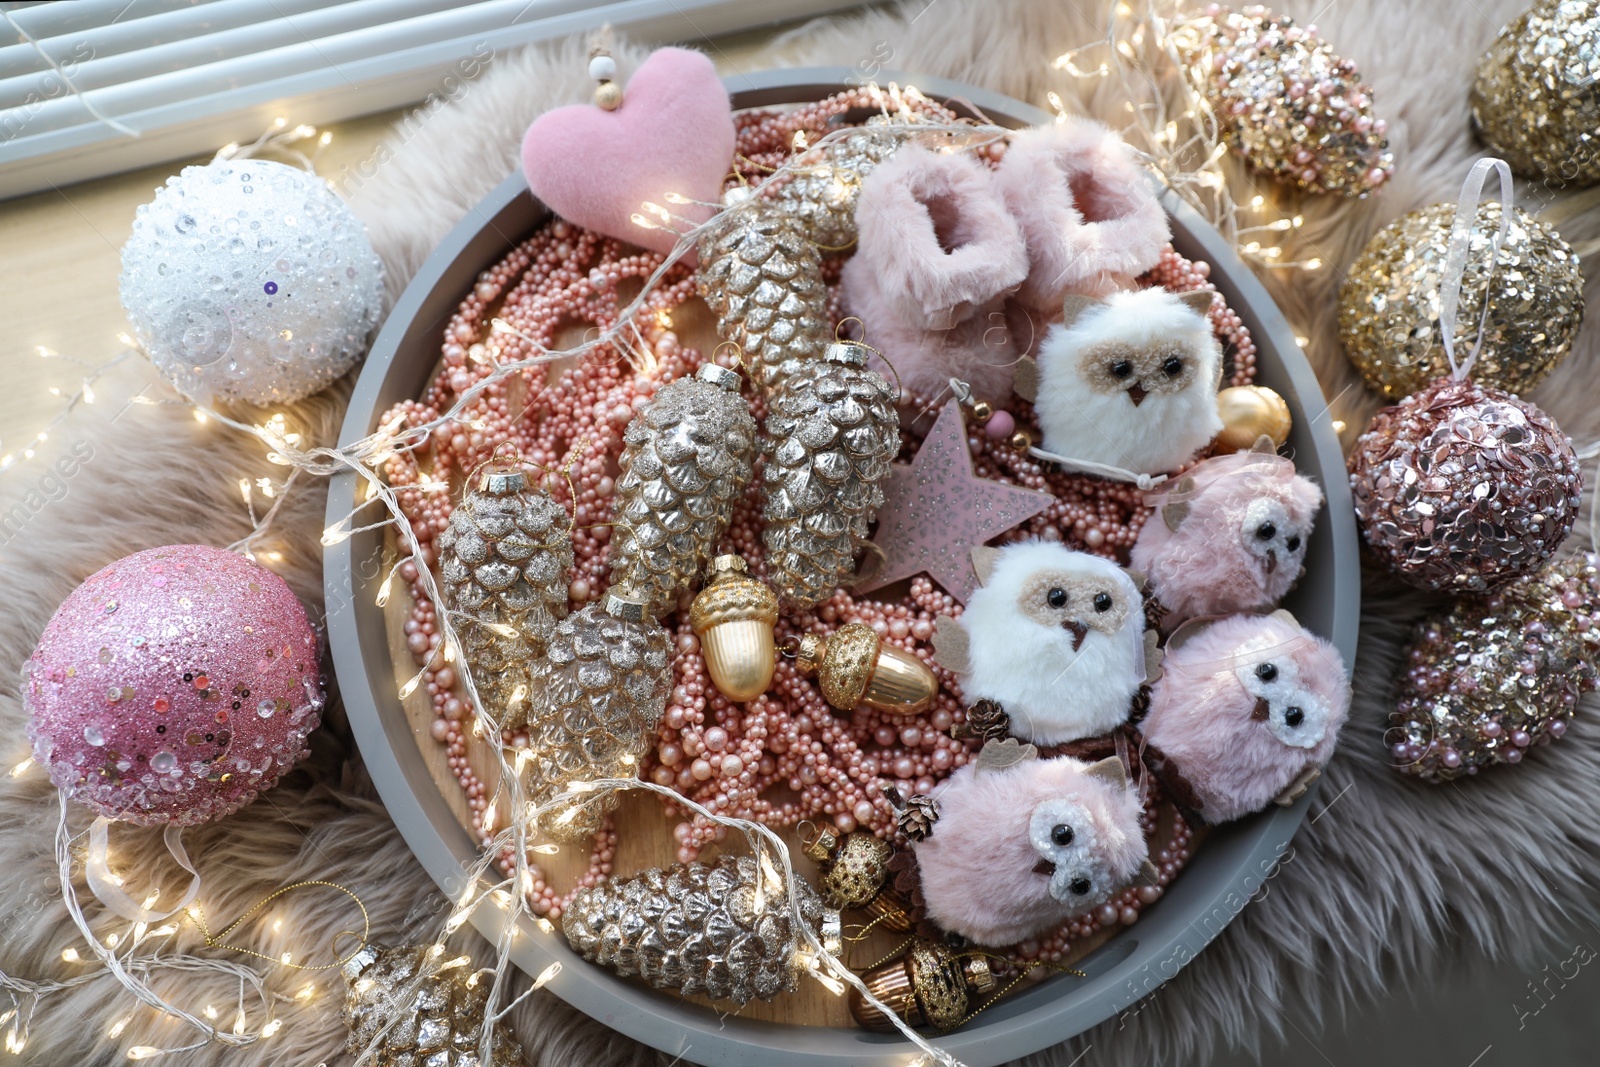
(959, 268)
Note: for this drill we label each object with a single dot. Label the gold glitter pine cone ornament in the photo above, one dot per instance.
(1536, 94)
(854, 666)
(1461, 488)
(413, 1009)
(603, 685)
(734, 617)
(687, 457)
(503, 566)
(1389, 304)
(761, 275)
(929, 986)
(723, 930)
(822, 194)
(1495, 675)
(832, 432)
(1284, 101)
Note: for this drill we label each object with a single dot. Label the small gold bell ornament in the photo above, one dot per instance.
(855, 876)
(929, 986)
(855, 667)
(734, 616)
(1250, 412)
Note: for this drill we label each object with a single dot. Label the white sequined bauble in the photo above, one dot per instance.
(250, 280)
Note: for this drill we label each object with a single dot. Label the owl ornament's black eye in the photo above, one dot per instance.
(1267, 531)
(1056, 598)
(1080, 886)
(1172, 366)
(1293, 716)
(1121, 369)
(1293, 544)
(1061, 834)
(1102, 602)
(1267, 672)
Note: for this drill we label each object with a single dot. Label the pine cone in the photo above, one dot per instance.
(762, 278)
(833, 430)
(436, 1014)
(689, 455)
(822, 195)
(603, 686)
(697, 928)
(915, 816)
(503, 563)
(986, 720)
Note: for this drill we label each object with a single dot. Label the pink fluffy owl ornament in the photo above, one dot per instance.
(1015, 845)
(1246, 712)
(1126, 386)
(1229, 536)
(1055, 638)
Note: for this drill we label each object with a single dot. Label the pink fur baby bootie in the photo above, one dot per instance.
(937, 254)
(1090, 218)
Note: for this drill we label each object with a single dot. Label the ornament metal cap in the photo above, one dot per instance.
(358, 961)
(719, 375)
(624, 607)
(502, 481)
(853, 353)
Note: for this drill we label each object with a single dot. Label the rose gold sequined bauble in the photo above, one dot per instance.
(1462, 488)
(1497, 674)
(1536, 96)
(1389, 304)
(1285, 101)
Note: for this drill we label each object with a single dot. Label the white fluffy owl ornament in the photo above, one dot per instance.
(1229, 536)
(1055, 637)
(1127, 384)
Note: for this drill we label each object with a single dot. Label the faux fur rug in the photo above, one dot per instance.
(1389, 881)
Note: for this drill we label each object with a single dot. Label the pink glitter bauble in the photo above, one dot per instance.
(173, 686)
(1460, 487)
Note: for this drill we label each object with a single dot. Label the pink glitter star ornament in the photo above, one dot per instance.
(936, 511)
(173, 686)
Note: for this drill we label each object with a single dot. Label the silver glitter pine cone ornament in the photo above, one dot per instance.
(412, 1009)
(761, 275)
(832, 432)
(1389, 303)
(1495, 675)
(602, 684)
(1460, 488)
(1536, 94)
(708, 929)
(503, 566)
(686, 459)
(827, 180)
(1285, 102)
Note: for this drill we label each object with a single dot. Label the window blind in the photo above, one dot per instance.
(190, 75)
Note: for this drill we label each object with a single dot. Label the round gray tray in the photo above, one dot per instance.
(1226, 871)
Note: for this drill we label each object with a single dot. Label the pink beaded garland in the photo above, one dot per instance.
(174, 685)
(731, 758)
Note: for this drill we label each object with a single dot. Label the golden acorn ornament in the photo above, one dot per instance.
(833, 431)
(503, 566)
(855, 876)
(827, 179)
(602, 686)
(734, 617)
(407, 1007)
(854, 667)
(929, 986)
(761, 275)
(1249, 413)
(723, 929)
(1536, 93)
(686, 459)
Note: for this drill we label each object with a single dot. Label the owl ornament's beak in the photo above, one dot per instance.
(1262, 711)
(1078, 631)
(1136, 393)
(1272, 560)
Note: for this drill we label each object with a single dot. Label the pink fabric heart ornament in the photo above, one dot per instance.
(673, 133)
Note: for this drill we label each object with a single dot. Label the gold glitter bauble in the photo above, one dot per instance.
(722, 930)
(1389, 304)
(832, 431)
(1284, 101)
(504, 562)
(602, 686)
(411, 1008)
(1495, 675)
(1536, 96)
